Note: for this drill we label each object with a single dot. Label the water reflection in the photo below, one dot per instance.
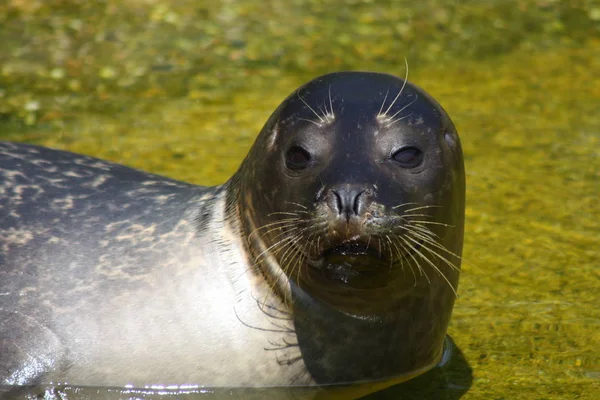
(450, 380)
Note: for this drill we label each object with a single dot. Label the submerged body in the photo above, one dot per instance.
(331, 256)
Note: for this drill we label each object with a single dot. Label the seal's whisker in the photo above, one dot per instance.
(428, 261)
(412, 270)
(310, 240)
(430, 238)
(411, 228)
(434, 243)
(382, 104)
(422, 207)
(307, 248)
(297, 267)
(327, 116)
(262, 306)
(426, 242)
(284, 340)
(422, 229)
(391, 252)
(435, 267)
(331, 113)
(443, 248)
(311, 121)
(297, 204)
(323, 109)
(270, 307)
(410, 253)
(286, 259)
(390, 123)
(384, 115)
(402, 257)
(405, 204)
(283, 222)
(282, 327)
(274, 250)
(398, 252)
(285, 229)
(271, 291)
(416, 222)
(277, 346)
(311, 109)
(288, 343)
(280, 311)
(295, 219)
(284, 344)
(285, 330)
(445, 260)
(295, 214)
(389, 119)
(408, 216)
(278, 243)
(286, 265)
(289, 361)
(302, 212)
(419, 268)
(283, 261)
(291, 243)
(302, 258)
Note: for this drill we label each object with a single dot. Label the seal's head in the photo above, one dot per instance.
(355, 191)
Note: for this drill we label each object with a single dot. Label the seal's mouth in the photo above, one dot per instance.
(354, 263)
(361, 277)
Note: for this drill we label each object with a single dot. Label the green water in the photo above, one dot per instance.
(182, 88)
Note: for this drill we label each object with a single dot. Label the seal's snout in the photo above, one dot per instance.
(349, 201)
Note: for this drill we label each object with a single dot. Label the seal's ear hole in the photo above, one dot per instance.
(297, 158)
(408, 157)
(449, 138)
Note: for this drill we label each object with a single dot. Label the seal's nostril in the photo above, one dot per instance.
(348, 201)
(357, 202)
(338, 202)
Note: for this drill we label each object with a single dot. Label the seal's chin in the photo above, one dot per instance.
(352, 263)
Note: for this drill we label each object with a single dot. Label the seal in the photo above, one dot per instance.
(331, 256)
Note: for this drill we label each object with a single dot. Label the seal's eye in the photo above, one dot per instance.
(297, 158)
(408, 157)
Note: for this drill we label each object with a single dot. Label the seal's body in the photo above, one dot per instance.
(331, 256)
(112, 276)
